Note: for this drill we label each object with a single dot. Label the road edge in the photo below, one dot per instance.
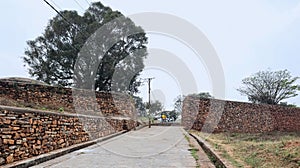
(203, 159)
(209, 151)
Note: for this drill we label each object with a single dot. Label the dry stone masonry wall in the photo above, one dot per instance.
(238, 116)
(25, 132)
(59, 98)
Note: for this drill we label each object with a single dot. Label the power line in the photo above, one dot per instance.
(56, 5)
(60, 14)
(88, 2)
(79, 4)
(65, 19)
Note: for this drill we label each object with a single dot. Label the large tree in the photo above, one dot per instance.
(52, 56)
(269, 87)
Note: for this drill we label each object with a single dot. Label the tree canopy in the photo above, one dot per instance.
(178, 103)
(205, 95)
(155, 106)
(179, 100)
(173, 115)
(269, 87)
(139, 106)
(51, 57)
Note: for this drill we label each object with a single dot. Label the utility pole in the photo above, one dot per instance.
(149, 93)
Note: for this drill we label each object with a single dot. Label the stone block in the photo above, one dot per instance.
(12, 147)
(15, 128)
(7, 121)
(8, 141)
(2, 161)
(6, 136)
(61, 141)
(10, 158)
(19, 142)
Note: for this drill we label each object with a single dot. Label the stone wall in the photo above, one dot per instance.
(229, 116)
(66, 99)
(25, 133)
(45, 120)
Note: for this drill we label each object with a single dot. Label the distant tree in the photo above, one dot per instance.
(178, 104)
(269, 87)
(140, 106)
(173, 115)
(154, 107)
(203, 95)
(51, 57)
(285, 104)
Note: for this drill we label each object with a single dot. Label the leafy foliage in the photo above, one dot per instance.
(205, 95)
(269, 87)
(51, 57)
(140, 106)
(178, 104)
(179, 100)
(173, 115)
(154, 107)
(285, 104)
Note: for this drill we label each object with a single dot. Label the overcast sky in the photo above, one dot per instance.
(248, 36)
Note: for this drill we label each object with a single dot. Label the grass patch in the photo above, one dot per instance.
(230, 159)
(193, 150)
(276, 149)
(253, 160)
(194, 153)
(61, 109)
(187, 138)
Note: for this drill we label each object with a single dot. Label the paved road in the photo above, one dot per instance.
(148, 147)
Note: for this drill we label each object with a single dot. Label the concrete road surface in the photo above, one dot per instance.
(149, 147)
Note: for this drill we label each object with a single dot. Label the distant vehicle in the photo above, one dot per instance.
(164, 117)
